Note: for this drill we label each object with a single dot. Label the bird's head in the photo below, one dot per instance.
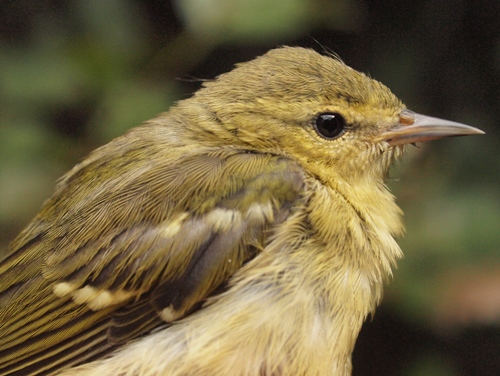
(339, 123)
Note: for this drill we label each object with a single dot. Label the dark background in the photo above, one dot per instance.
(74, 74)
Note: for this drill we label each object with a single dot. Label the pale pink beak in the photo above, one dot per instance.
(414, 127)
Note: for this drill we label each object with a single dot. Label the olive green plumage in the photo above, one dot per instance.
(253, 242)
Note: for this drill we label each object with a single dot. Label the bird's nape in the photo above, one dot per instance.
(245, 232)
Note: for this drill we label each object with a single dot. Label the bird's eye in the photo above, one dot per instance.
(329, 125)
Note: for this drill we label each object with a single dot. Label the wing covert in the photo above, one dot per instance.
(104, 263)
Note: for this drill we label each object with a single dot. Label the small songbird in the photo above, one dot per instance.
(248, 231)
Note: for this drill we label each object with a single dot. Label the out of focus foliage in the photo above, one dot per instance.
(74, 74)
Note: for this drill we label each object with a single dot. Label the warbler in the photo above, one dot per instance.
(247, 231)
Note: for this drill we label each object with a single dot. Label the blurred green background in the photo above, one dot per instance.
(75, 74)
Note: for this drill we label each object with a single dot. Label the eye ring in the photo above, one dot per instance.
(330, 125)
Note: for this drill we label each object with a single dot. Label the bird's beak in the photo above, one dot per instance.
(414, 127)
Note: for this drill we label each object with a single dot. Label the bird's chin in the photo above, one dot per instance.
(398, 151)
(388, 155)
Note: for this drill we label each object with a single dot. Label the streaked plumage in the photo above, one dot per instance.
(247, 242)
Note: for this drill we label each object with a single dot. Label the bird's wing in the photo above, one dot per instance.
(108, 259)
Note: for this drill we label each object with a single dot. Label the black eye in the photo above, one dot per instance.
(329, 125)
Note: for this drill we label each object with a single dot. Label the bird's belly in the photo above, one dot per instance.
(257, 334)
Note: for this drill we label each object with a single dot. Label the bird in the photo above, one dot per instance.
(247, 231)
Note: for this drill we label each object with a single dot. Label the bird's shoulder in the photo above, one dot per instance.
(122, 247)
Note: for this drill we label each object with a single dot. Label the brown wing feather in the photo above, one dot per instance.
(106, 258)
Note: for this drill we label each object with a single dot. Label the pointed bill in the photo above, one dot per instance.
(414, 127)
